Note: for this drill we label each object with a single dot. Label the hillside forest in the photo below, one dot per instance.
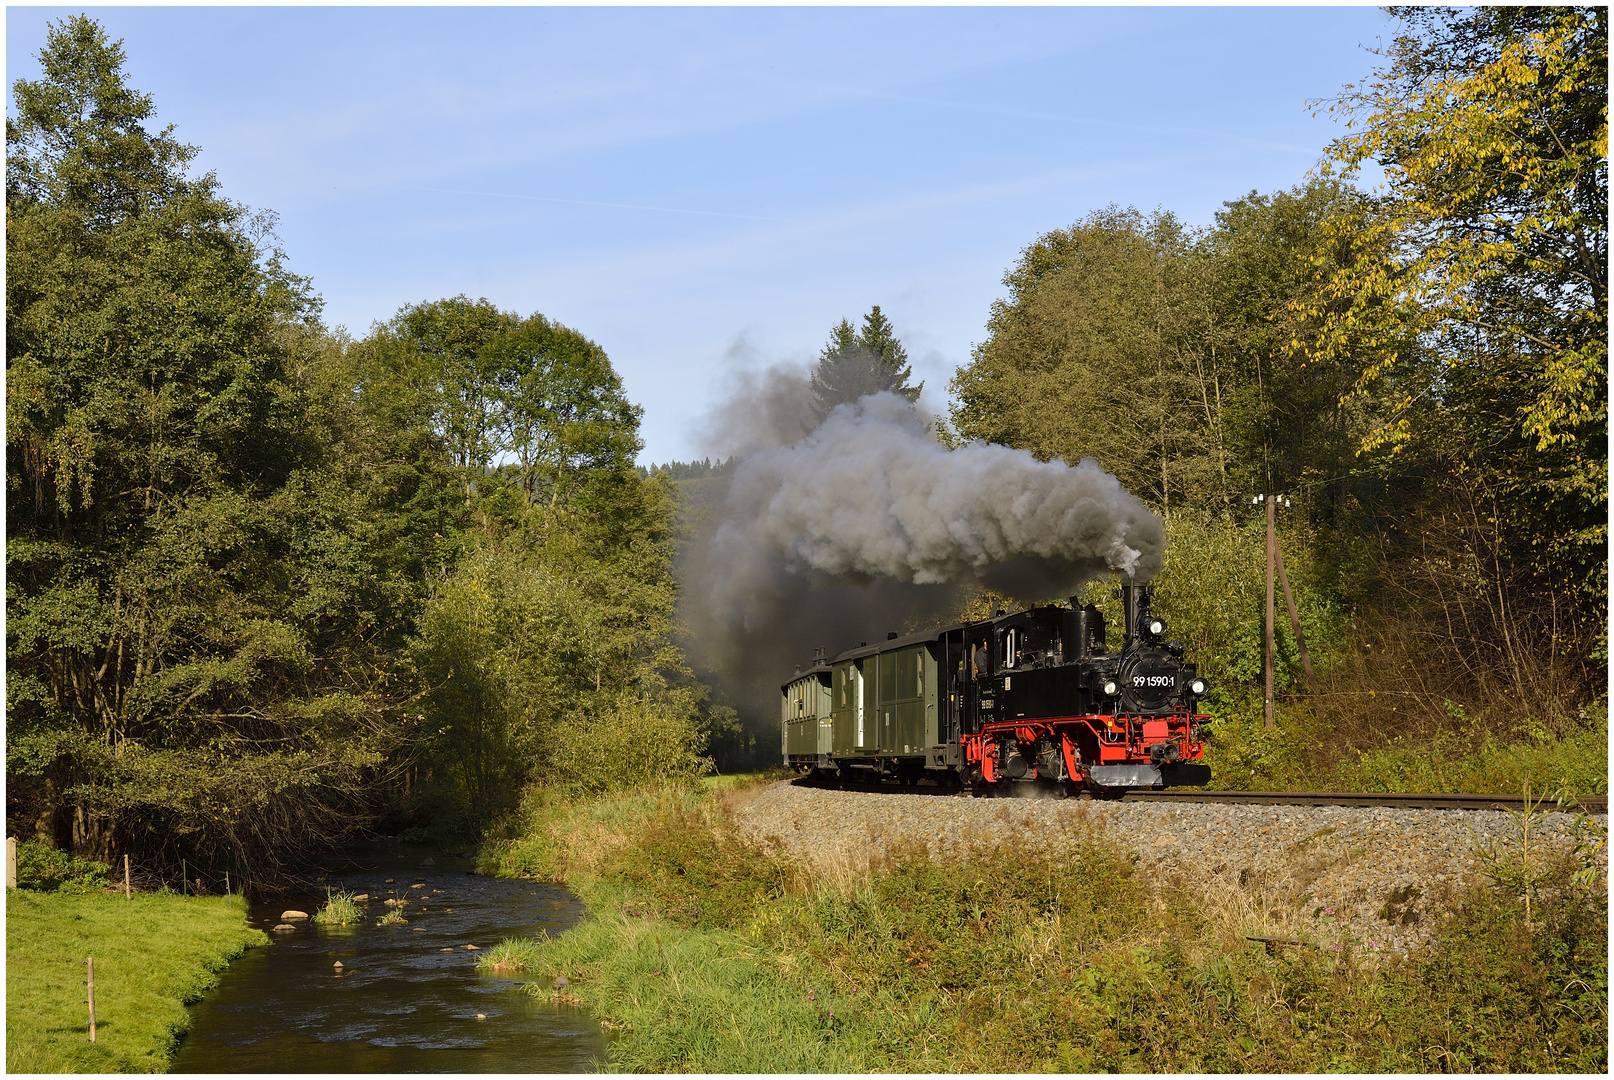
(271, 585)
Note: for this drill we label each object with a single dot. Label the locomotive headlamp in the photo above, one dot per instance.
(1111, 688)
(1157, 627)
(1197, 687)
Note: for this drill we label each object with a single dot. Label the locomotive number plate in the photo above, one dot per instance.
(1154, 680)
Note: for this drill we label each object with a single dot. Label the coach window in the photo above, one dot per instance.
(857, 695)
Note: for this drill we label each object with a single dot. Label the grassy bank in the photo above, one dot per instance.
(152, 954)
(705, 953)
(1308, 754)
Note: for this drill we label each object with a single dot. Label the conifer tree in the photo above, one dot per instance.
(856, 363)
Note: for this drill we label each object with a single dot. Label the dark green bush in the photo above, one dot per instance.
(48, 870)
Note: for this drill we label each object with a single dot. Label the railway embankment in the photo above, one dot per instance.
(1375, 877)
(746, 926)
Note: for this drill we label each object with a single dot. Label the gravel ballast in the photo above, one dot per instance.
(1372, 876)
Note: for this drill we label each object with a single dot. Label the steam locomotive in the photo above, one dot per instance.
(1005, 705)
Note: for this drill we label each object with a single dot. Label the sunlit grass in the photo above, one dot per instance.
(152, 954)
(339, 910)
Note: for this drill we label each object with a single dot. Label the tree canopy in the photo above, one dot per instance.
(192, 629)
(267, 584)
(1490, 250)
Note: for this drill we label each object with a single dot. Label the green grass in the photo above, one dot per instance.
(1303, 754)
(703, 953)
(339, 910)
(153, 954)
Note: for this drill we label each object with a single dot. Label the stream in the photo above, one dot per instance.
(407, 998)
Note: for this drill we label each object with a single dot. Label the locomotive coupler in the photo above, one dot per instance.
(1161, 753)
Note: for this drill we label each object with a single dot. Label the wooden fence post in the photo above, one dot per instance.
(89, 967)
(11, 862)
(128, 893)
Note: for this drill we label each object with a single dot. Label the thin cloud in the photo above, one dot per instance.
(585, 202)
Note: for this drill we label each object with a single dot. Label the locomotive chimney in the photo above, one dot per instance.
(1135, 602)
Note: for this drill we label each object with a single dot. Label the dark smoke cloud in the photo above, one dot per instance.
(762, 409)
(867, 524)
(872, 494)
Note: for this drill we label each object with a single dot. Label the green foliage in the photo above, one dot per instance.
(1290, 422)
(1473, 307)
(1490, 250)
(193, 617)
(48, 870)
(1106, 347)
(859, 362)
(1476, 760)
(266, 583)
(704, 953)
(485, 384)
(543, 651)
(153, 955)
(509, 955)
(554, 664)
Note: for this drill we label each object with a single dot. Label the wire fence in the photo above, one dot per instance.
(188, 879)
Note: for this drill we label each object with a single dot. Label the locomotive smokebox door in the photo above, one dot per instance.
(1149, 681)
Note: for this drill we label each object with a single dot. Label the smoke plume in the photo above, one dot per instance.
(868, 524)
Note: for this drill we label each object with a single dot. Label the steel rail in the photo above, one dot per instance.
(1592, 804)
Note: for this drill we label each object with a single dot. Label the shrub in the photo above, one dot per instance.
(48, 870)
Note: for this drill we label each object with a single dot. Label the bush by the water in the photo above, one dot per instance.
(707, 953)
(48, 870)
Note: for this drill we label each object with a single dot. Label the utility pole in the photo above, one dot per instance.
(1272, 607)
(1275, 570)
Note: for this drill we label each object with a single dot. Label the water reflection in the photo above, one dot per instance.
(407, 998)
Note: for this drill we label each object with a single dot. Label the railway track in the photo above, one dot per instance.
(1592, 804)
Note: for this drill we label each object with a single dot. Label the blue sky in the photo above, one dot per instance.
(700, 189)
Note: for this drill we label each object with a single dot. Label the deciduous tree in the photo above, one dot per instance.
(193, 614)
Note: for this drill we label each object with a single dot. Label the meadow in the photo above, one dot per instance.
(153, 954)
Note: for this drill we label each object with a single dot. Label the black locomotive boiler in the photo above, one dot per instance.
(1034, 697)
